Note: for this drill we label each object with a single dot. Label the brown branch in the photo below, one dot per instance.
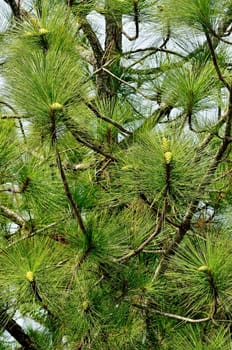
(38, 296)
(79, 264)
(150, 238)
(68, 193)
(79, 136)
(14, 7)
(155, 210)
(16, 331)
(34, 233)
(186, 222)
(161, 48)
(98, 70)
(15, 117)
(214, 293)
(93, 40)
(136, 21)
(84, 257)
(109, 120)
(154, 50)
(74, 206)
(9, 214)
(8, 106)
(166, 40)
(12, 116)
(127, 84)
(219, 37)
(210, 136)
(214, 59)
(167, 314)
(229, 172)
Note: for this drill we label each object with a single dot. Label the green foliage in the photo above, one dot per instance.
(217, 339)
(199, 14)
(196, 89)
(115, 166)
(197, 261)
(145, 170)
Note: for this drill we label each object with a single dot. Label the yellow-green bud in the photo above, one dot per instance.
(56, 106)
(204, 268)
(33, 21)
(127, 167)
(30, 276)
(43, 31)
(168, 157)
(85, 305)
(29, 34)
(165, 144)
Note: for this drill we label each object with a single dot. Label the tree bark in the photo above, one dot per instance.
(16, 331)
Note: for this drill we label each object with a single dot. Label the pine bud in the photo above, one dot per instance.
(29, 34)
(85, 305)
(30, 276)
(168, 157)
(165, 144)
(204, 268)
(33, 21)
(43, 31)
(56, 106)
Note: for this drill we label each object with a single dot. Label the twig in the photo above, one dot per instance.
(97, 148)
(149, 239)
(155, 210)
(136, 20)
(16, 218)
(13, 116)
(16, 331)
(186, 222)
(93, 40)
(167, 314)
(223, 176)
(68, 193)
(215, 63)
(154, 49)
(127, 84)
(36, 232)
(109, 120)
(14, 7)
(74, 206)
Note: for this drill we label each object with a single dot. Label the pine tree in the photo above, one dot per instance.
(115, 141)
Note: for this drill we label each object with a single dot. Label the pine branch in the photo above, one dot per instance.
(38, 296)
(14, 7)
(69, 195)
(186, 222)
(93, 40)
(215, 62)
(154, 50)
(74, 206)
(136, 21)
(37, 232)
(150, 121)
(154, 234)
(127, 84)
(155, 210)
(214, 293)
(225, 174)
(16, 331)
(12, 116)
(9, 214)
(108, 120)
(167, 314)
(80, 136)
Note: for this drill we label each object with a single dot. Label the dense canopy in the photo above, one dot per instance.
(115, 174)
